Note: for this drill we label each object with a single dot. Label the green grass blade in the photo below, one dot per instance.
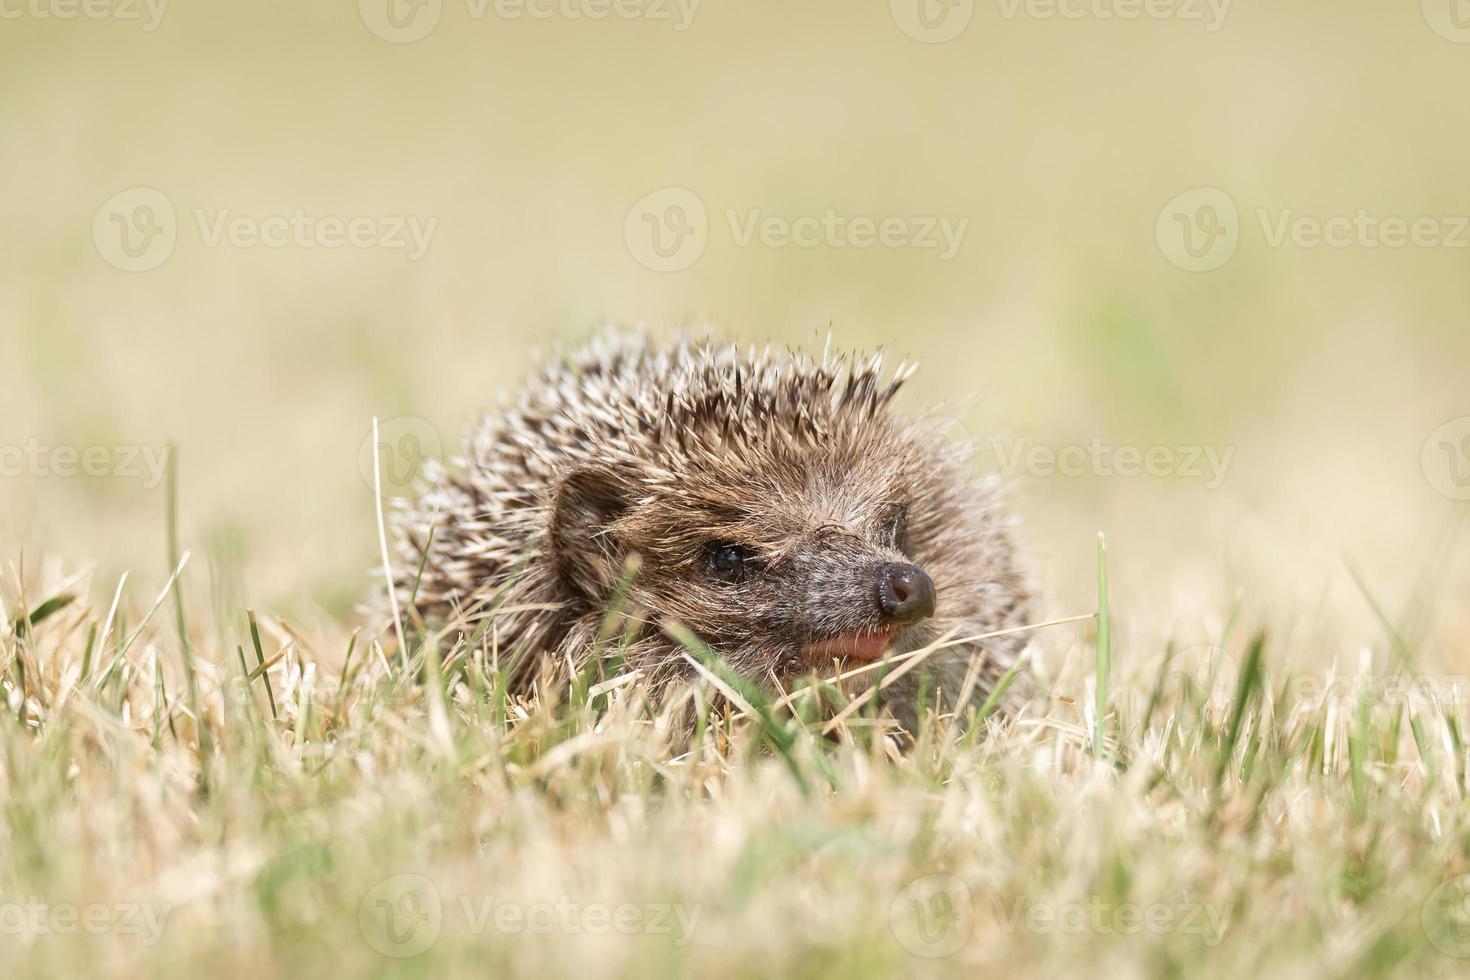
(1104, 649)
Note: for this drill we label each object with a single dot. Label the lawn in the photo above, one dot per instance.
(248, 802)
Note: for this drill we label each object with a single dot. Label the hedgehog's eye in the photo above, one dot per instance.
(894, 527)
(728, 562)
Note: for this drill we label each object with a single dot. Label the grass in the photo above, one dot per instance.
(184, 811)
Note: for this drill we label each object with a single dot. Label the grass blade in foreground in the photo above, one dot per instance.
(1104, 649)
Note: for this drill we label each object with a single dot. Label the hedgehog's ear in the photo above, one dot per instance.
(586, 550)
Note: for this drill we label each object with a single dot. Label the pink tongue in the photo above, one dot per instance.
(865, 647)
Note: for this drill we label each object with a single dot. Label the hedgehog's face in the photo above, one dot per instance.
(817, 591)
(782, 568)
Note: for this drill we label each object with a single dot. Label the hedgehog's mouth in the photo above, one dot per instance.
(866, 647)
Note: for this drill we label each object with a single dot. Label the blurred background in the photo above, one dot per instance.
(1205, 265)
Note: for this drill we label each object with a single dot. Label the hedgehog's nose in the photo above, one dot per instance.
(905, 593)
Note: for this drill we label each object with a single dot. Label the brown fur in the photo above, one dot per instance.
(626, 447)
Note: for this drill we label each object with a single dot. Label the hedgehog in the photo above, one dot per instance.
(771, 503)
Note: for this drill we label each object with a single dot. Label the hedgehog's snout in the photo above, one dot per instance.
(905, 593)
